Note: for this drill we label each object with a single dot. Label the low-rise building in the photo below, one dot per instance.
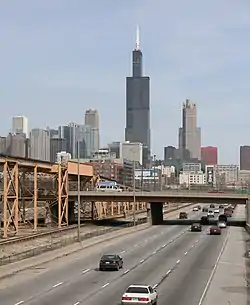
(186, 179)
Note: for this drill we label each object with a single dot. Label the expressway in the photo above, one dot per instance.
(171, 258)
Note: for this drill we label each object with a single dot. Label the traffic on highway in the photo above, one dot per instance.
(156, 265)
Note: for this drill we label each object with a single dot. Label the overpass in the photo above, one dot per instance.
(157, 199)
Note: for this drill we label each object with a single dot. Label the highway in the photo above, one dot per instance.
(171, 258)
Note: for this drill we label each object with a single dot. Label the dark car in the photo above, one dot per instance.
(199, 207)
(196, 227)
(221, 206)
(110, 262)
(183, 215)
(215, 230)
(212, 206)
(205, 210)
(204, 220)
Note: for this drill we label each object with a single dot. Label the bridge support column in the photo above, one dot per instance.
(156, 213)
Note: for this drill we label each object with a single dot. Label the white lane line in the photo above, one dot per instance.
(178, 261)
(192, 246)
(154, 252)
(123, 251)
(105, 285)
(171, 241)
(77, 303)
(214, 269)
(58, 284)
(197, 240)
(135, 246)
(164, 246)
(142, 260)
(169, 271)
(18, 303)
(125, 272)
(85, 271)
(155, 286)
(186, 253)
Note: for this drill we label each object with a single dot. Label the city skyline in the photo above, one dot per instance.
(195, 58)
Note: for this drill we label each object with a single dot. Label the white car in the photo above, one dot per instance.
(222, 225)
(210, 214)
(139, 294)
(216, 211)
(195, 209)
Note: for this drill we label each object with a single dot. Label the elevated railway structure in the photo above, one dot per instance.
(27, 184)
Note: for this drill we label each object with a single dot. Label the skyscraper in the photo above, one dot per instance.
(189, 133)
(138, 103)
(92, 120)
(20, 125)
(209, 155)
(245, 157)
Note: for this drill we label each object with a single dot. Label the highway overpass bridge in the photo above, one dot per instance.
(157, 199)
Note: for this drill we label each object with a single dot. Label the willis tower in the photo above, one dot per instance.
(138, 104)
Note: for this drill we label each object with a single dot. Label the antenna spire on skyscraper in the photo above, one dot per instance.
(137, 42)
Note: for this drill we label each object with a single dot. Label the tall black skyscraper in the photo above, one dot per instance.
(138, 104)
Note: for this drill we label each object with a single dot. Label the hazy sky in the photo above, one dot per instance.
(60, 57)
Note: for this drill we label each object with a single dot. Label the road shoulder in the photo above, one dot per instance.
(228, 284)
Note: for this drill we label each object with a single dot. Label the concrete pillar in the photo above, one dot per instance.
(156, 213)
(71, 207)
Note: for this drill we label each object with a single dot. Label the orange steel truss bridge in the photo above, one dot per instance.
(26, 183)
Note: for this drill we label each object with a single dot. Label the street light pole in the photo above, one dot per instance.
(154, 172)
(134, 220)
(78, 194)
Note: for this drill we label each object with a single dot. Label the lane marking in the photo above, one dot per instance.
(123, 251)
(164, 246)
(142, 260)
(77, 303)
(20, 302)
(125, 272)
(105, 285)
(169, 271)
(192, 246)
(154, 252)
(197, 240)
(214, 269)
(155, 286)
(58, 284)
(178, 261)
(85, 271)
(186, 253)
(171, 241)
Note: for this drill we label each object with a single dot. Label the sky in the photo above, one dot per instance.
(59, 58)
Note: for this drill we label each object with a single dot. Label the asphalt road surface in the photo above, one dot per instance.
(171, 258)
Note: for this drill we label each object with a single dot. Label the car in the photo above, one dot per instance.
(199, 207)
(216, 211)
(212, 206)
(205, 210)
(215, 230)
(195, 209)
(204, 220)
(210, 213)
(183, 215)
(140, 294)
(196, 227)
(110, 262)
(222, 224)
(221, 206)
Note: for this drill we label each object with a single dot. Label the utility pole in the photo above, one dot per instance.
(154, 172)
(78, 193)
(134, 220)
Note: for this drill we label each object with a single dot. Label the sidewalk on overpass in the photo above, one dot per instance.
(227, 284)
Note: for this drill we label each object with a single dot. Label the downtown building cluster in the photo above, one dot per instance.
(186, 166)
